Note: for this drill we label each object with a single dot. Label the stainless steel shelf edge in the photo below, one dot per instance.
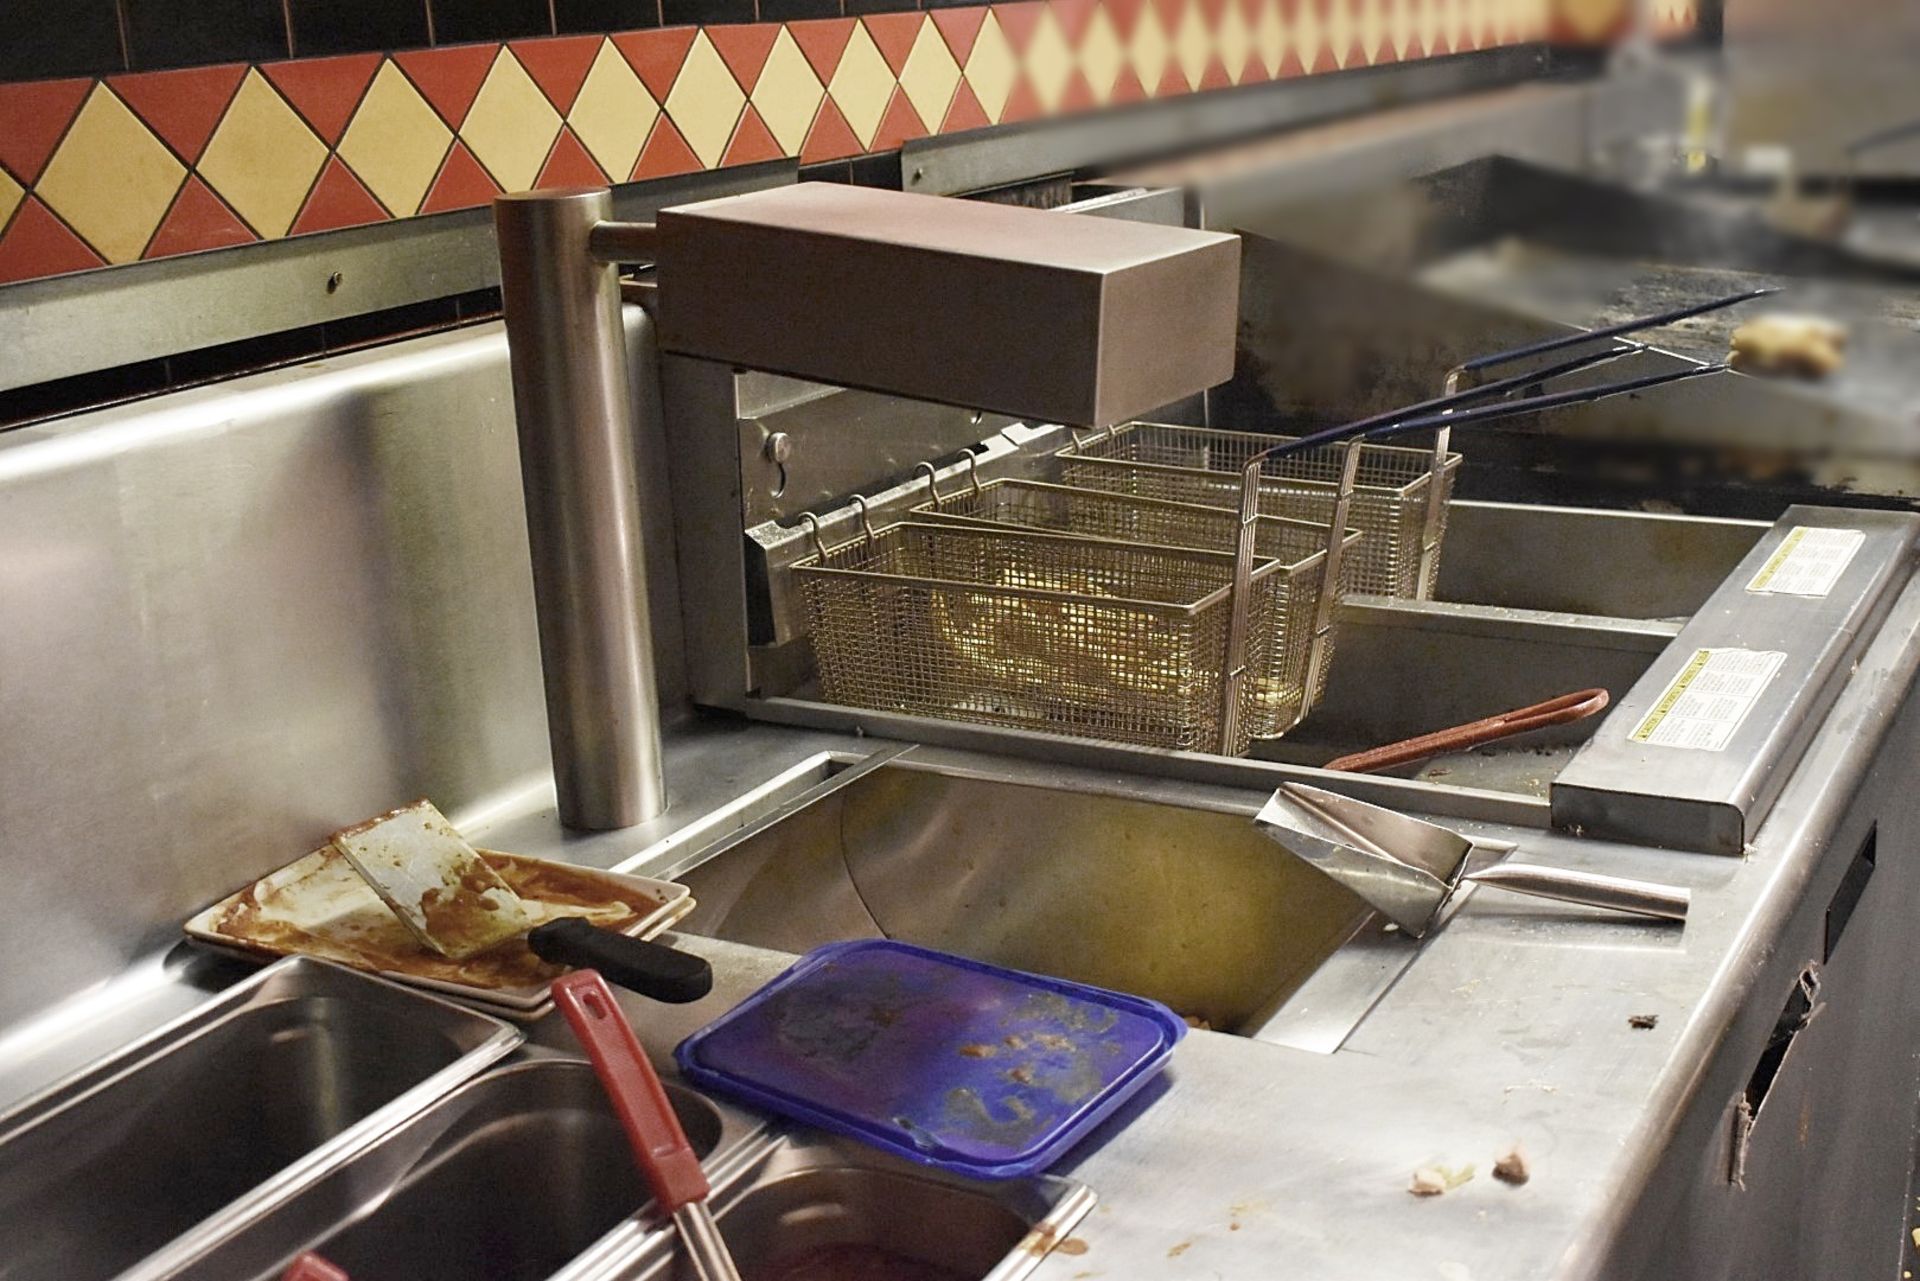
(1622, 787)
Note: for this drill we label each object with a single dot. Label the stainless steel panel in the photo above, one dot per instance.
(240, 617)
(93, 320)
(1188, 905)
(984, 306)
(510, 1178)
(133, 1167)
(1714, 800)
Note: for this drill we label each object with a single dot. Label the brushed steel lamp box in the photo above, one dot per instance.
(1047, 316)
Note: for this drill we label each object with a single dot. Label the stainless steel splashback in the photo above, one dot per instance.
(235, 618)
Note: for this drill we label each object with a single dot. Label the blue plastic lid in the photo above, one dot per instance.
(950, 1062)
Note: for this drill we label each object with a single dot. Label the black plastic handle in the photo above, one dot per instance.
(651, 969)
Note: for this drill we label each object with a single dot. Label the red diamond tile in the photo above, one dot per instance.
(1254, 71)
(823, 40)
(1290, 10)
(1125, 15)
(1170, 11)
(198, 220)
(462, 184)
(655, 57)
(39, 244)
(744, 48)
(752, 142)
(36, 115)
(1073, 16)
(1212, 10)
(964, 112)
(1324, 61)
(1413, 50)
(1440, 46)
(894, 33)
(181, 106)
(899, 124)
(1078, 95)
(1215, 76)
(1291, 66)
(1021, 104)
(558, 66)
(449, 78)
(1018, 21)
(830, 138)
(337, 200)
(960, 27)
(1173, 82)
(324, 90)
(569, 165)
(1126, 88)
(665, 154)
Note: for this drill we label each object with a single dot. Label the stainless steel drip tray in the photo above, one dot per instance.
(132, 1167)
(519, 1175)
(817, 1206)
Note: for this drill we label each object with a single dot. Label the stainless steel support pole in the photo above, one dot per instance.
(574, 407)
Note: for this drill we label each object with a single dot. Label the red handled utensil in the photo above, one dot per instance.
(311, 1267)
(660, 1146)
(1555, 711)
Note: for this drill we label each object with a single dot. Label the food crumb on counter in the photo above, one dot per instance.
(977, 1051)
(1511, 1166)
(1072, 1245)
(1180, 1249)
(1432, 1180)
(1643, 1022)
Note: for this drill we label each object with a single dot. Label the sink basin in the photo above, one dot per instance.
(1178, 899)
(165, 1143)
(509, 1178)
(817, 1202)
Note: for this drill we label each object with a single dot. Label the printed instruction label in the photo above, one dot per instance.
(1702, 706)
(1809, 561)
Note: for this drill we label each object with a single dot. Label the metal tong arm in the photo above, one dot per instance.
(1588, 889)
(1625, 327)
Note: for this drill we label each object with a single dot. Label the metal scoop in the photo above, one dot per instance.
(1408, 869)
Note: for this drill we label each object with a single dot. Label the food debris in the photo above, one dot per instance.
(977, 1051)
(1197, 1023)
(1511, 1166)
(1643, 1022)
(1809, 347)
(1180, 1249)
(1073, 1245)
(1020, 1075)
(1432, 1180)
(1542, 1086)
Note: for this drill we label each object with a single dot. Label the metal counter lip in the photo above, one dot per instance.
(1714, 801)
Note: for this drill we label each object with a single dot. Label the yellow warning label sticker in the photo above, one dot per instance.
(1808, 562)
(1705, 703)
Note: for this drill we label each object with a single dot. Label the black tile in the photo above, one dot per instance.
(827, 171)
(190, 33)
(39, 40)
(945, 4)
(478, 304)
(795, 10)
(455, 21)
(678, 13)
(357, 26)
(247, 355)
(605, 15)
(82, 391)
(395, 322)
(877, 171)
(878, 6)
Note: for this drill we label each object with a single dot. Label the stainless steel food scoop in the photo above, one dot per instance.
(1408, 869)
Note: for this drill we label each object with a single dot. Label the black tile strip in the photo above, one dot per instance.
(190, 33)
(42, 40)
(324, 27)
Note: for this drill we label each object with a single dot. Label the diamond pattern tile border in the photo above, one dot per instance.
(97, 172)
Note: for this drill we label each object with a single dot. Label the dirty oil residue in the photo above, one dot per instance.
(838, 1025)
(969, 1114)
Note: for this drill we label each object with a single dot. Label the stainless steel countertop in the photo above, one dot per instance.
(1255, 1160)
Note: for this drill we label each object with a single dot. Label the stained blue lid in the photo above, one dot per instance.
(950, 1062)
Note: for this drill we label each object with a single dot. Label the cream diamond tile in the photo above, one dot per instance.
(788, 94)
(1456, 23)
(1049, 61)
(511, 125)
(1148, 49)
(1431, 22)
(1308, 35)
(1401, 27)
(613, 113)
(263, 158)
(111, 179)
(1232, 41)
(863, 84)
(1338, 31)
(1270, 37)
(929, 76)
(1102, 56)
(991, 68)
(11, 194)
(705, 101)
(1193, 43)
(395, 142)
(1373, 29)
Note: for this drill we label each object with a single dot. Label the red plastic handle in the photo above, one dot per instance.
(659, 1144)
(311, 1267)
(1555, 711)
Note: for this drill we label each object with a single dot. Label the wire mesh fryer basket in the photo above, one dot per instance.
(1300, 645)
(1070, 635)
(1399, 499)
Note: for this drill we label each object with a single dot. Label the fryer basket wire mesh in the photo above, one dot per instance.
(1279, 695)
(1089, 637)
(1395, 503)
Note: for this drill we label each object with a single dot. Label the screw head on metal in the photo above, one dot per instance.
(779, 447)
